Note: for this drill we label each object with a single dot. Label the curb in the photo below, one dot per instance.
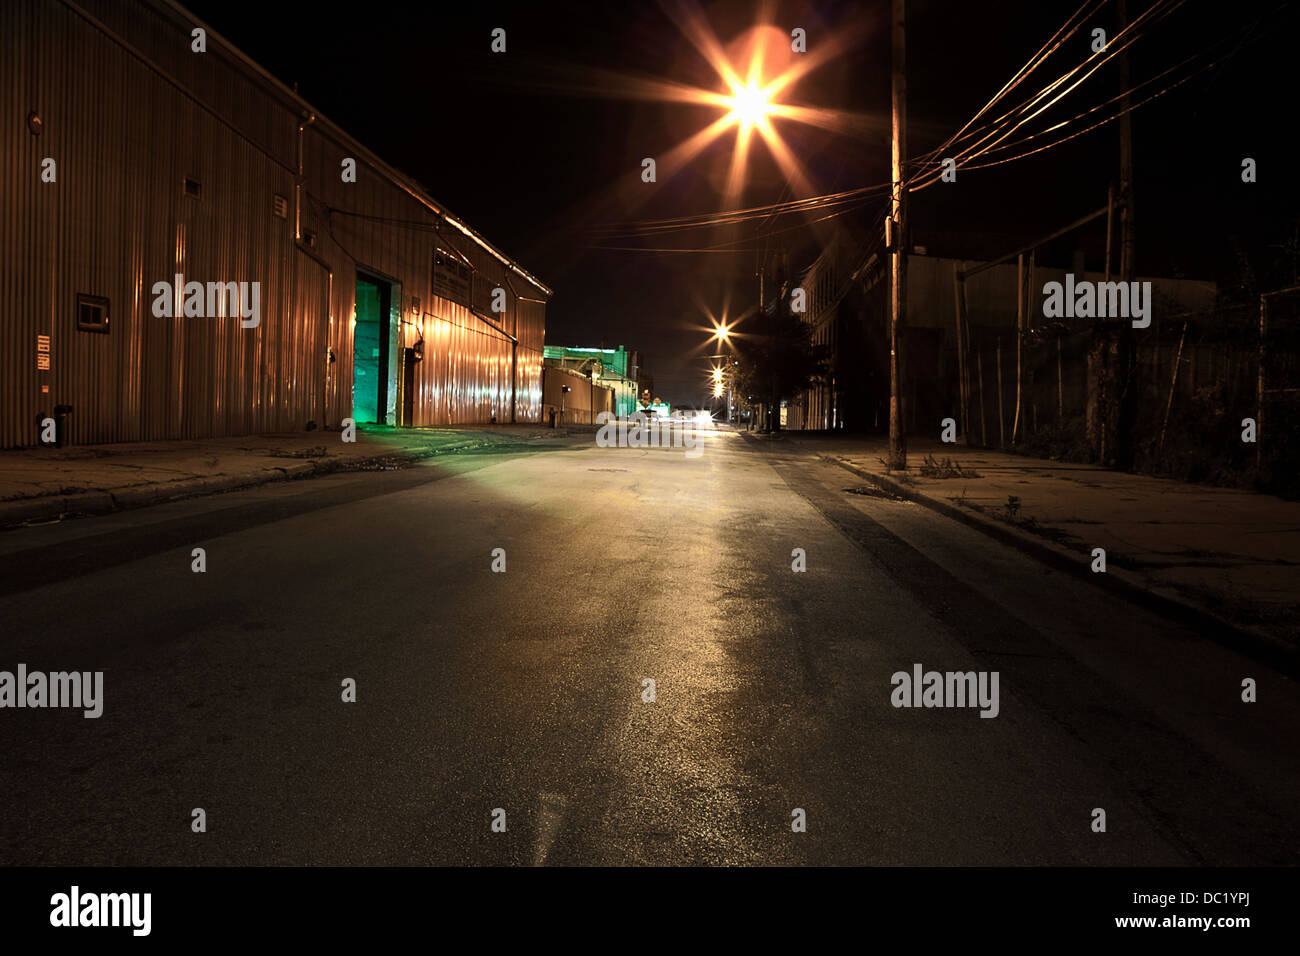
(1260, 645)
(47, 507)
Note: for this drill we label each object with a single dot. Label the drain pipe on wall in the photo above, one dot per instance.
(519, 299)
(323, 399)
(514, 348)
(514, 354)
(307, 120)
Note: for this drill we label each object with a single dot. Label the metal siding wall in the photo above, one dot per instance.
(532, 334)
(162, 34)
(19, 163)
(117, 221)
(583, 403)
(465, 375)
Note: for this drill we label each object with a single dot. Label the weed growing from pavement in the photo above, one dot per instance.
(933, 468)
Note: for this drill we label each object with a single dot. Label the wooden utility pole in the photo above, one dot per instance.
(1259, 384)
(1097, 380)
(1110, 225)
(898, 256)
(1125, 371)
(1127, 232)
(1002, 437)
(963, 352)
(1060, 382)
(1020, 338)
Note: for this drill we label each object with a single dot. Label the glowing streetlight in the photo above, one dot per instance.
(755, 76)
(750, 104)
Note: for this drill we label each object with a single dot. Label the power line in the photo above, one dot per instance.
(998, 131)
(1069, 28)
(1037, 59)
(1244, 37)
(731, 217)
(1017, 117)
(1088, 129)
(734, 245)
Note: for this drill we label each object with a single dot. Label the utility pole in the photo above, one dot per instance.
(898, 255)
(762, 277)
(1126, 351)
(1127, 235)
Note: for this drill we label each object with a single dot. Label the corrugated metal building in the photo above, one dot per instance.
(580, 405)
(141, 160)
(615, 369)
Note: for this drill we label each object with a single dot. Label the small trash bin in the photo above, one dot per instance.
(61, 413)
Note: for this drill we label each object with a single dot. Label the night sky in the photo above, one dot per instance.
(533, 148)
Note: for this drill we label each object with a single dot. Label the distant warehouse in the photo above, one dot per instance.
(191, 250)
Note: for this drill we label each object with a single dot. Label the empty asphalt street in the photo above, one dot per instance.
(644, 678)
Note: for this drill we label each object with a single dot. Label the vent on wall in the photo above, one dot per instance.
(193, 188)
(92, 313)
(280, 206)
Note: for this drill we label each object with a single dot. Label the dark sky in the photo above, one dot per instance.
(532, 149)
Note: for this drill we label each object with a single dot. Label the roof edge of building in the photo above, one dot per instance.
(407, 183)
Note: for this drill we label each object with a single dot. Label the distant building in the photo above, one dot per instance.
(571, 398)
(615, 369)
(833, 306)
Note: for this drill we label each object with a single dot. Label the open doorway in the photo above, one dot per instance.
(374, 356)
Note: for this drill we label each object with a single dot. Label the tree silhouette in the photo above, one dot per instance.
(779, 362)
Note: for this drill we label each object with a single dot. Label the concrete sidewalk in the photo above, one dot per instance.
(42, 484)
(1232, 555)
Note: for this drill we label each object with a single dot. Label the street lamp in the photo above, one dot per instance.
(722, 335)
(723, 381)
(750, 104)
